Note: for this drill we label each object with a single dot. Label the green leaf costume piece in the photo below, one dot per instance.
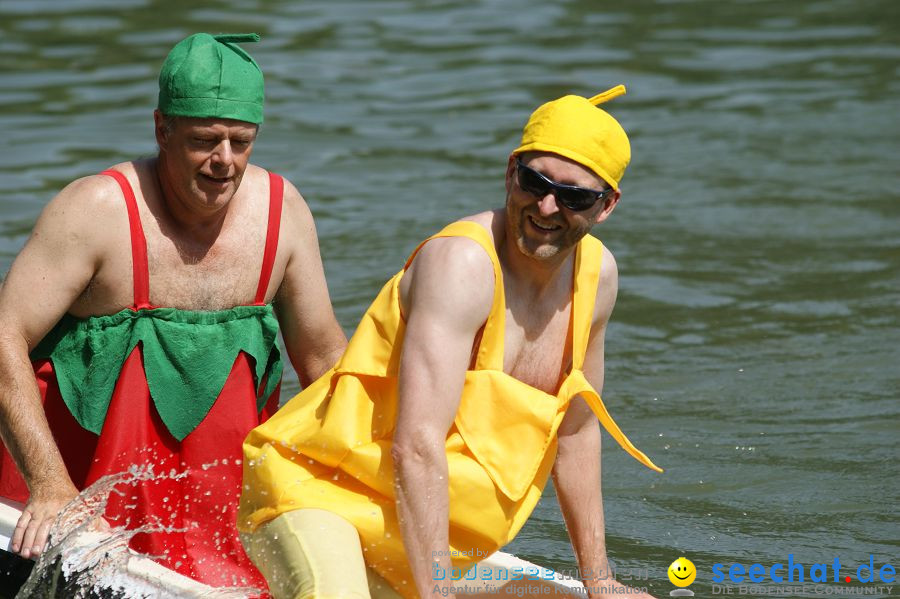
(184, 352)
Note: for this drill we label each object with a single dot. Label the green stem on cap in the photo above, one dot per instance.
(236, 38)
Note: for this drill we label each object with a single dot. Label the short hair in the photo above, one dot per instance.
(169, 122)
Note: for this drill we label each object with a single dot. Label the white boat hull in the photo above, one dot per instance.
(500, 574)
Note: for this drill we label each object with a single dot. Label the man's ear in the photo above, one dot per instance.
(159, 128)
(608, 206)
(510, 172)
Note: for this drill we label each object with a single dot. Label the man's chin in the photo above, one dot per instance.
(545, 252)
(215, 194)
(538, 251)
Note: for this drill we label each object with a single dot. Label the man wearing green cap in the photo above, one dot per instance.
(138, 326)
(473, 376)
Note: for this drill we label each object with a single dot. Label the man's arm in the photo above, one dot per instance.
(312, 335)
(447, 295)
(576, 472)
(52, 270)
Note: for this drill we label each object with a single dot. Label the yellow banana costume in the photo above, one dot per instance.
(329, 447)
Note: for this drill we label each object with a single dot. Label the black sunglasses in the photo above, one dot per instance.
(572, 197)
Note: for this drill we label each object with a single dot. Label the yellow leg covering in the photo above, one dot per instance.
(314, 554)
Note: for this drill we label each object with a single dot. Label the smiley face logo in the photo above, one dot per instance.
(682, 572)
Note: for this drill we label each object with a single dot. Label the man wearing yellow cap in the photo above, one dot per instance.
(138, 325)
(473, 376)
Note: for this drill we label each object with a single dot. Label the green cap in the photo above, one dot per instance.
(210, 76)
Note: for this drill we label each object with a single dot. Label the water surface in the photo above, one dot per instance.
(753, 352)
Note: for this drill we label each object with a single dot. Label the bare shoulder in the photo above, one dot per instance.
(459, 256)
(452, 275)
(299, 270)
(86, 210)
(295, 210)
(607, 287)
(74, 236)
(298, 230)
(485, 219)
(95, 192)
(609, 270)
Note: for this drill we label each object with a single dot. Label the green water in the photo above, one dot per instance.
(753, 352)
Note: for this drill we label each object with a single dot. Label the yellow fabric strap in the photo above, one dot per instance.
(577, 384)
(490, 352)
(588, 259)
(608, 95)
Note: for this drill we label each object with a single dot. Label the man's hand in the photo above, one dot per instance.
(65, 250)
(33, 527)
(576, 472)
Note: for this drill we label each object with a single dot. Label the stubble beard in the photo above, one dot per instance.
(538, 250)
(543, 251)
(210, 199)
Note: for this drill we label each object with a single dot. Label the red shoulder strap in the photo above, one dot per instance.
(141, 273)
(276, 199)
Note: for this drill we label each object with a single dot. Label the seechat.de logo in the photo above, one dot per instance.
(797, 572)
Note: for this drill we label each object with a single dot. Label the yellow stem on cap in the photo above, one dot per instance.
(608, 95)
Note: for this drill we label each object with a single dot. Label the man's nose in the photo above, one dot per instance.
(547, 205)
(222, 155)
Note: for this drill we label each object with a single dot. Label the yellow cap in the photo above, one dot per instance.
(574, 127)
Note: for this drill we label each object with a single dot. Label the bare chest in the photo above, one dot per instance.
(215, 278)
(219, 276)
(537, 348)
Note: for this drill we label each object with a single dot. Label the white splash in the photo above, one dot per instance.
(87, 559)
